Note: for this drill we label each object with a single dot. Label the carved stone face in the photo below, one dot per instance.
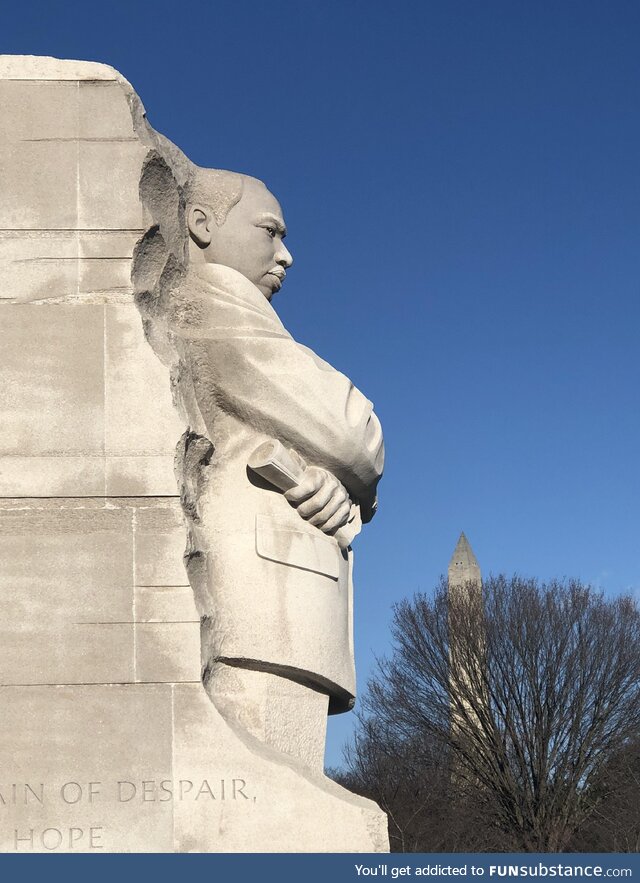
(250, 240)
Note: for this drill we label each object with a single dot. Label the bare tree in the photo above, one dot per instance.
(614, 823)
(532, 690)
(410, 780)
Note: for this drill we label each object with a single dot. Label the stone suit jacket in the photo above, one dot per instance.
(274, 592)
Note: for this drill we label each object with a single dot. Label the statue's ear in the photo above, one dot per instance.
(200, 222)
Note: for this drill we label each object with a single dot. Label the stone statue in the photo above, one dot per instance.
(145, 708)
(271, 571)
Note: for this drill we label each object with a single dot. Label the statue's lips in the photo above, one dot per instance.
(278, 279)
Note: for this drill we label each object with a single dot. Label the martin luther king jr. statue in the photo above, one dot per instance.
(278, 465)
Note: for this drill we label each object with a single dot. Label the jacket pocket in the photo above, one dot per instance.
(278, 542)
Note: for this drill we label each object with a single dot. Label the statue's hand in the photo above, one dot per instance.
(321, 500)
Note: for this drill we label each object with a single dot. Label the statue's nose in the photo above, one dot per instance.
(283, 257)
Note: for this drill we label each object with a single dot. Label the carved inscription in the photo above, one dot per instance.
(22, 793)
(57, 838)
(164, 790)
(126, 792)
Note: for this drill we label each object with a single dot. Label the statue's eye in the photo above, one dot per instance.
(271, 231)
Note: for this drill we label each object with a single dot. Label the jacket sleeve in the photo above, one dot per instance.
(285, 390)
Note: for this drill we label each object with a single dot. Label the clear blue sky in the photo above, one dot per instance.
(461, 184)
